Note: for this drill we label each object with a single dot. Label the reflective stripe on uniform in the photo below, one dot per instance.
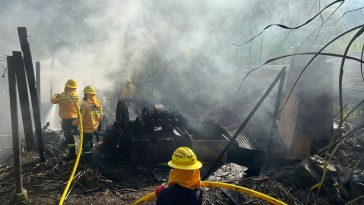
(71, 145)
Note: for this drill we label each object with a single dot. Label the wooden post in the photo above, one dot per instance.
(20, 192)
(28, 62)
(51, 67)
(37, 72)
(18, 69)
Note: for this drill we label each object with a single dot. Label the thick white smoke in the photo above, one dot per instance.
(101, 42)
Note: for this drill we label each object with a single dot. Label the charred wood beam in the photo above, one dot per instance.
(28, 62)
(37, 71)
(15, 124)
(18, 69)
(276, 109)
(242, 126)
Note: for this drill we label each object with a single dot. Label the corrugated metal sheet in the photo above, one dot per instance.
(353, 84)
(228, 108)
(256, 133)
(233, 111)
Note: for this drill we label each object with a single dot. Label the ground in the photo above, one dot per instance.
(45, 183)
(123, 184)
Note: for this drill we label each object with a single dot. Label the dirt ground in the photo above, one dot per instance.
(107, 183)
(45, 183)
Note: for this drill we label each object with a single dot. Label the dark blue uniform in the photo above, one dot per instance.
(178, 195)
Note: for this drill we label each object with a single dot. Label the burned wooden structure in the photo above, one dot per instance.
(308, 114)
(245, 128)
(24, 100)
(157, 133)
(15, 63)
(21, 78)
(250, 122)
(28, 65)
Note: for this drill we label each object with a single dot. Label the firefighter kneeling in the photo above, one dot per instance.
(184, 180)
(91, 112)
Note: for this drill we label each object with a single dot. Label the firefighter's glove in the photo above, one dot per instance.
(159, 189)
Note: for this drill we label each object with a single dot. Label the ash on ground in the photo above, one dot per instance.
(123, 184)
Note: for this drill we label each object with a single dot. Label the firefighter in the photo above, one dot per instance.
(184, 180)
(128, 90)
(68, 113)
(91, 112)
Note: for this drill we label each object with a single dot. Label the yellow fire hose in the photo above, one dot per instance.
(223, 185)
(78, 154)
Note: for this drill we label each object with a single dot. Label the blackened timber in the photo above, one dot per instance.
(28, 62)
(276, 110)
(37, 72)
(245, 122)
(14, 124)
(18, 69)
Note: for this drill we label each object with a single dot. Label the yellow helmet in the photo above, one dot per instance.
(71, 83)
(89, 89)
(184, 158)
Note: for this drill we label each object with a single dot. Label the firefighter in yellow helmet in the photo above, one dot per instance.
(184, 180)
(91, 111)
(68, 113)
(128, 90)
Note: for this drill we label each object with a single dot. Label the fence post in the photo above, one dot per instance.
(28, 63)
(37, 71)
(19, 72)
(20, 193)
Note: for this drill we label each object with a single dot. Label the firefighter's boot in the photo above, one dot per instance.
(86, 158)
(71, 154)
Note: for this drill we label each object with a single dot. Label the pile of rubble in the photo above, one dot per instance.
(122, 184)
(234, 174)
(343, 184)
(344, 180)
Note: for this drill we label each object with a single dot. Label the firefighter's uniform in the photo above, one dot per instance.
(91, 112)
(128, 90)
(184, 180)
(68, 113)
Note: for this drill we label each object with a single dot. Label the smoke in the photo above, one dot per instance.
(176, 52)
